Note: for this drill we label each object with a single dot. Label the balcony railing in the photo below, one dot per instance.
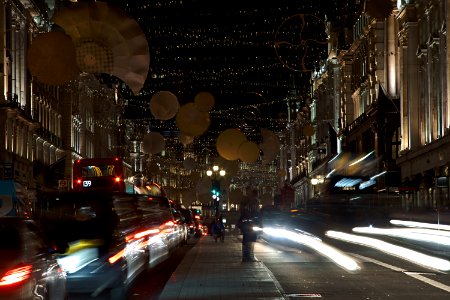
(49, 136)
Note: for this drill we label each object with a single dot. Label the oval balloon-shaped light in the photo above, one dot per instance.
(153, 143)
(51, 58)
(191, 121)
(164, 105)
(204, 101)
(228, 143)
(249, 152)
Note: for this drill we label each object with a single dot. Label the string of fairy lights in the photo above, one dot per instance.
(227, 47)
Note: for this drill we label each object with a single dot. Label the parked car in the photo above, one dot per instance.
(181, 226)
(189, 221)
(107, 240)
(28, 268)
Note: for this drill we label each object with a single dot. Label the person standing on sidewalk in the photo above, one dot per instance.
(218, 230)
(249, 217)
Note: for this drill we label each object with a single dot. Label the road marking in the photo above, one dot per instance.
(415, 275)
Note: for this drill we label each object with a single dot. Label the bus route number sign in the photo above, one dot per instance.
(87, 183)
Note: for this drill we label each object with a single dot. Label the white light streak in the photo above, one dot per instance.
(417, 234)
(398, 251)
(420, 224)
(315, 243)
(361, 159)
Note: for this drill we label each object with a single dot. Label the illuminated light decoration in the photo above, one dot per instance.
(306, 50)
(107, 41)
(164, 105)
(398, 251)
(347, 182)
(51, 58)
(118, 179)
(16, 275)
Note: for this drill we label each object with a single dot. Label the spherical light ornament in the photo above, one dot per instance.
(249, 152)
(228, 143)
(189, 163)
(204, 101)
(164, 105)
(185, 139)
(153, 143)
(269, 151)
(191, 121)
(308, 130)
(51, 58)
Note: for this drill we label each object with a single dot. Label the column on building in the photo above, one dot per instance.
(409, 93)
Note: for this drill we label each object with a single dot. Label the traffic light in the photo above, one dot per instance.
(215, 188)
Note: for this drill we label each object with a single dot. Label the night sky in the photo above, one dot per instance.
(251, 55)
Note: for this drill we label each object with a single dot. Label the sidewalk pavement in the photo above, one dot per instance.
(213, 270)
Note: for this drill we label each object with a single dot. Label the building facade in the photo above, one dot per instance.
(44, 128)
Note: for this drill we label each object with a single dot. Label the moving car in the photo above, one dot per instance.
(28, 268)
(106, 239)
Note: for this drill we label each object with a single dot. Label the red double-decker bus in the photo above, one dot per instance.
(101, 174)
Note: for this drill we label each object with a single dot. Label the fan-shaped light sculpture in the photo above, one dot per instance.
(191, 121)
(228, 143)
(204, 101)
(249, 152)
(107, 40)
(153, 143)
(164, 105)
(51, 58)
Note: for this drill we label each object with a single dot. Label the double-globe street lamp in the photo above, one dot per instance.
(216, 175)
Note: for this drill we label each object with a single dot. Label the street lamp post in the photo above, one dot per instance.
(216, 175)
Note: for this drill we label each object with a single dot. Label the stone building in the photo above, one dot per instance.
(44, 128)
